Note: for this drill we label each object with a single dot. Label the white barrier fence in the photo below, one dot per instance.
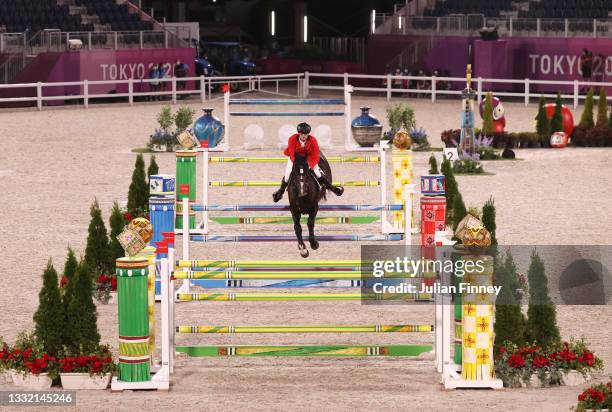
(304, 83)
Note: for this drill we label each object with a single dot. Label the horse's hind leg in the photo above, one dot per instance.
(314, 244)
(297, 227)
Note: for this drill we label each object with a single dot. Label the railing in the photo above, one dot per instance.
(12, 42)
(470, 24)
(47, 41)
(204, 87)
(431, 86)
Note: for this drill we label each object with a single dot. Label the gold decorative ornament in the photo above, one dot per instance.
(402, 140)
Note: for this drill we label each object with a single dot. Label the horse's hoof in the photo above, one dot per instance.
(314, 244)
(304, 253)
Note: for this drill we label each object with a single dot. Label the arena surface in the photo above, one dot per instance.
(55, 162)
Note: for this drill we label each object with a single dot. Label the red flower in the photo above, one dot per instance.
(540, 362)
(127, 217)
(114, 283)
(63, 281)
(502, 349)
(27, 353)
(581, 396)
(516, 361)
(103, 279)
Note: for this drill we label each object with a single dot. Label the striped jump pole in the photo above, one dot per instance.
(204, 263)
(305, 350)
(283, 159)
(284, 220)
(272, 183)
(292, 238)
(284, 275)
(307, 329)
(301, 297)
(318, 102)
(286, 208)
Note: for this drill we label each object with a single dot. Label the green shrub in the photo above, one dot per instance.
(183, 119)
(602, 109)
(542, 123)
(541, 313)
(433, 165)
(487, 116)
(586, 120)
(467, 166)
(556, 122)
(49, 317)
(401, 116)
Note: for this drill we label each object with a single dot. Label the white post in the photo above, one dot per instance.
(173, 90)
(383, 187)
(526, 92)
(479, 87)
(165, 320)
(86, 93)
(511, 26)
(408, 191)
(347, 115)
(594, 28)
(202, 89)
(345, 79)
(205, 176)
(141, 40)
(388, 87)
(131, 91)
(89, 41)
(186, 228)
(39, 95)
(170, 303)
(566, 27)
(306, 84)
(576, 91)
(115, 40)
(433, 89)
(538, 28)
(226, 117)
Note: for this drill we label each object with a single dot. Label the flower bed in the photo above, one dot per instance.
(534, 366)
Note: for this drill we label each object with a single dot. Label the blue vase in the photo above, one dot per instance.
(367, 130)
(208, 129)
(365, 118)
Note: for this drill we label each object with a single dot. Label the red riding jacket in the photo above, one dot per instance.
(310, 149)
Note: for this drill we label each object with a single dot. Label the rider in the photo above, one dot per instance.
(304, 145)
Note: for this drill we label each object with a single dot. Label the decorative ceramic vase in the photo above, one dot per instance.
(366, 129)
(208, 129)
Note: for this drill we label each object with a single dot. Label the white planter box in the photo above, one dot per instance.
(75, 381)
(574, 378)
(32, 382)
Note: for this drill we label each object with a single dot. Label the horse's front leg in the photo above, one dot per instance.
(297, 227)
(314, 244)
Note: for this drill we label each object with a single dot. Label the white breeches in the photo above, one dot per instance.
(317, 170)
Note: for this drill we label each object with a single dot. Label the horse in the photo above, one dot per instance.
(305, 193)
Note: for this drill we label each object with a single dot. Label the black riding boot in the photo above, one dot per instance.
(337, 190)
(278, 195)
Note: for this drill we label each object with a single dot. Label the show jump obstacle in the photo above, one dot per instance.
(476, 335)
(228, 113)
(186, 166)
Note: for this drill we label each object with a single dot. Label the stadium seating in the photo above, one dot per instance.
(36, 15)
(549, 9)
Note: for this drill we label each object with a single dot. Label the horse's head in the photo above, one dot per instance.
(300, 178)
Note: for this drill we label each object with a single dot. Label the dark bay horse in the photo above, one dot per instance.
(305, 193)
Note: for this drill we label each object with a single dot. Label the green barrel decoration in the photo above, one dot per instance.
(185, 175)
(149, 254)
(134, 350)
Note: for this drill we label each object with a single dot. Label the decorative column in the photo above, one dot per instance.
(185, 175)
(402, 175)
(433, 212)
(161, 213)
(134, 349)
(477, 318)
